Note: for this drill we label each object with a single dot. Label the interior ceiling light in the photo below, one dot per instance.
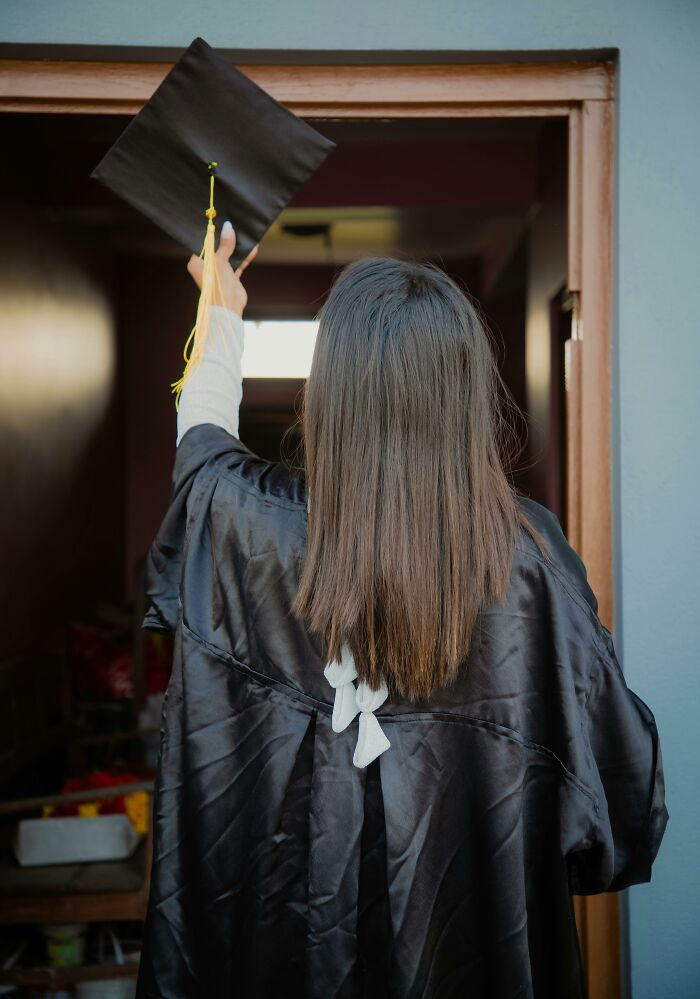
(307, 229)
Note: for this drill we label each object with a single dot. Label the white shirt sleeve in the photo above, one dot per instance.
(213, 391)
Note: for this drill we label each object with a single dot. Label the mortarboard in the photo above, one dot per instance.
(211, 136)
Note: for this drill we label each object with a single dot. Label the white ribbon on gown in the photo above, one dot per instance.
(351, 700)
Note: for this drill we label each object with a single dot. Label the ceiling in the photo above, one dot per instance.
(459, 190)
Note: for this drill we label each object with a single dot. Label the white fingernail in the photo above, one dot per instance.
(227, 230)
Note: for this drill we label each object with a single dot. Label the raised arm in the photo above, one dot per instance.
(212, 392)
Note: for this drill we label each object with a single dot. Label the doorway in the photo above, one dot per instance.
(579, 96)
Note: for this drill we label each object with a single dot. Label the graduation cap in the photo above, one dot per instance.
(211, 143)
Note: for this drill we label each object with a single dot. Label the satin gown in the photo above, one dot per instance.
(446, 867)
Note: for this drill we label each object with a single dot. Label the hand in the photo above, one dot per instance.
(232, 293)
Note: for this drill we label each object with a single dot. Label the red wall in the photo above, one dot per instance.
(61, 517)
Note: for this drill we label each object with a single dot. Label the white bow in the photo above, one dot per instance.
(351, 700)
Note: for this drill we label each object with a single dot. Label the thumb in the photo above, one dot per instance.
(227, 242)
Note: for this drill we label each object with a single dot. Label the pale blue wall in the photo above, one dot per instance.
(657, 407)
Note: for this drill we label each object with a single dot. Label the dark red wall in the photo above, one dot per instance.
(61, 502)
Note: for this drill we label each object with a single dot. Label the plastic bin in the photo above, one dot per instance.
(74, 839)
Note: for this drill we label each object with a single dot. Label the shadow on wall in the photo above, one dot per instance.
(60, 452)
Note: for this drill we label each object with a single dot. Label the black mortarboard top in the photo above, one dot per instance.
(206, 111)
(210, 136)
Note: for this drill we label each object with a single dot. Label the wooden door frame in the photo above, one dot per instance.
(582, 92)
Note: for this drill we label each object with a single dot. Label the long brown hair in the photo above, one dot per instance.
(413, 522)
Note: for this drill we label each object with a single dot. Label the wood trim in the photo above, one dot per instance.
(404, 90)
(595, 324)
(574, 201)
(572, 380)
(582, 91)
(593, 531)
(349, 110)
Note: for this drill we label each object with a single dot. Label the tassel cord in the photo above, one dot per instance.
(211, 289)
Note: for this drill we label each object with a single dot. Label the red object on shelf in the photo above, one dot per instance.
(97, 779)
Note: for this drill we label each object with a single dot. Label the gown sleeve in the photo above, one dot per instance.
(207, 429)
(625, 772)
(213, 391)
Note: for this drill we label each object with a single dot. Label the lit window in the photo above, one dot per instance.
(278, 348)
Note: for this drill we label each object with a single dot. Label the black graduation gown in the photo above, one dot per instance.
(445, 868)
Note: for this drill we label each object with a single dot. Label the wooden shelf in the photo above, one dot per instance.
(76, 893)
(57, 977)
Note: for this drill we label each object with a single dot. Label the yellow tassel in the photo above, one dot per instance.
(210, 292)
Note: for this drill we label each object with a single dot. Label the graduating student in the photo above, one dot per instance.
(396, 738)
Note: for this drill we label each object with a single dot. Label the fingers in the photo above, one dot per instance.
(195, 267)
(227, 241)
(251, 256)
(227, 244)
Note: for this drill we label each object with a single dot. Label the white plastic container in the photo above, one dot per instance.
(74, 839)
